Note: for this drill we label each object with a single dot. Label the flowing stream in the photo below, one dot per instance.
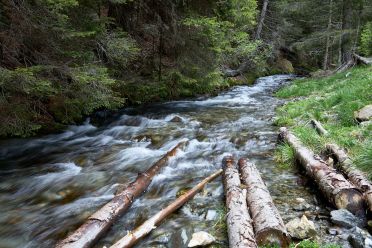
(50, 185)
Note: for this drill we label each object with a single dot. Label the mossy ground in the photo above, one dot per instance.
(332, 101)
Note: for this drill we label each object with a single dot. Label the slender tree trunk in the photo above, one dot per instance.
(319, 128)
(328, 39)
(133, 237)
(340, 192)
(98, 223)
(347, 27)
(239, 222)
(268, 224)
(354, 175)
(262, 19)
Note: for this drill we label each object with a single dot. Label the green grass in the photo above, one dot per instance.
(333, 101)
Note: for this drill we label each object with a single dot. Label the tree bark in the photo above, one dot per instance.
(98, 223)
(133, 237)
(340, 192)
(362, 60)
(239, 222)
(262, 19)
(268, 224)
(319, 128)
(355, 176)
(328, 40)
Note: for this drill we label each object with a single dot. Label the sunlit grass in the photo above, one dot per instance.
(333, 101)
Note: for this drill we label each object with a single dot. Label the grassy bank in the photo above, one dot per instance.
(332, 101)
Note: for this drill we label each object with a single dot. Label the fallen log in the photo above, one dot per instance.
(340, 192)
(319, 128)
(133, 237)
(268, 225)
(98, 223)
(239, 222)
(362, 60)
(355, 176)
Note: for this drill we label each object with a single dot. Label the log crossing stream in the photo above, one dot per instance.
(50, 185)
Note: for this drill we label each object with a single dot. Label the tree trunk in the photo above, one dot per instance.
(347, 27)
(354, 175)
(340, 192)
(262, 19)
(268, 224)
(362, 60)
(133, 237)
(100, 221)
(239, 222)
(328, 40)
(319, 128)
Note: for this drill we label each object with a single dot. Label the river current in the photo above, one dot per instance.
(50, 185)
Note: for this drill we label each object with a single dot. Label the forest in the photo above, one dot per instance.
(186, 123)
(63, 60)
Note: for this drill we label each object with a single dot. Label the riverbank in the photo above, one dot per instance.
(332, 101)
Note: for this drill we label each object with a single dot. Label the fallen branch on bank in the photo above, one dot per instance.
(268, 225)
(239, 222)
(319, 128)
(98, 223)
(133, 237)
(355, 176)
(362, 60)
(340, 192)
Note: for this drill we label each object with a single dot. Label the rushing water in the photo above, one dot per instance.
(50, 185)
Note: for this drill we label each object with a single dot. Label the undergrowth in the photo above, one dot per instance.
(332, 101)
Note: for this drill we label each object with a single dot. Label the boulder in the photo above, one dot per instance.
(364, 114)
(201, 239)
(176, 119)
(344, 218)
(301, 228)
(360, 238)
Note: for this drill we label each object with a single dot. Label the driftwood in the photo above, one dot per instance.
(319, 128)
(355, 176)
(98, 223)
(340, 192)
(133, 237)
(239, 222)
(268, 225)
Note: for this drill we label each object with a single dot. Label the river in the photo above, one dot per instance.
(50, 184)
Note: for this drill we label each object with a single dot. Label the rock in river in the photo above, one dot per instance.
(360, 238)
(301, 228)
(343, 217)
(201, 239)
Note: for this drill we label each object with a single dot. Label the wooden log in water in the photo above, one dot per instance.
(339, 191)
(268, 225)
(319, 128)
(98, 223)
(239, 222)
(133, 237)
(355, 176)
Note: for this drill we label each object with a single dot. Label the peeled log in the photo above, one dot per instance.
(340, 192)
(98, 223)
(319, 128)
(133, 237)
(355, 176)
(239, 222)
(268, 225)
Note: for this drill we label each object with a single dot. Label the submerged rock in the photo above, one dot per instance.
(176, 119)
(301, 228)
(364, 114)
(201, 239)
(360, 238)
(211, 215)
(343, 217)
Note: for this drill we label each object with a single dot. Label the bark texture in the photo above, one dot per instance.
(340, 192)
(133, 237)
(319, 128)
(354, 175)
(262, 19)
(98, 223)
(239, 222)
(268, 225)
